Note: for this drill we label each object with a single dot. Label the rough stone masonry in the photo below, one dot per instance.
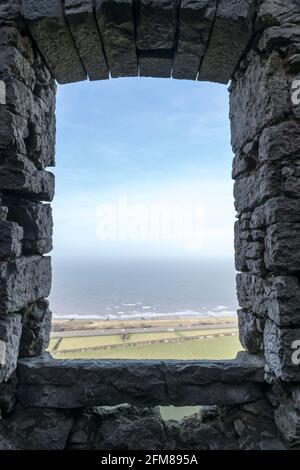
(252, 402)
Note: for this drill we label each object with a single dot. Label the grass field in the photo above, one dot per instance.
(224, 347)
(68, 344)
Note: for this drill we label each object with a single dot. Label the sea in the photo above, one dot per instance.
(137, 288)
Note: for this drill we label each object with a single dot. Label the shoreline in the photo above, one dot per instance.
(104, 326)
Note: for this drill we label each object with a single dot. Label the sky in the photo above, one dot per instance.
(143, 168)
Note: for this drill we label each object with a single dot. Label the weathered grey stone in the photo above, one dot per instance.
(11, 235)
(250, 330)
(19, 175)
(13, 134)
(283, 248)
(73, 384)
(156, 23)
(195, 23)
(280, 141)
(232, 31)
(278, 37)
(277, 297)
(13, 61)
(277, 12)
(3, 213)
(287, 419)
(253, 190)
(295, 392)
(120, 428)
(36, 323)
(116, 25)
(35, 429)
(247, 247)
(14, 36)
(10, 334)
(23, 281)
(275, 210)
(36, 221)
(8, 392)
(251, 293)
(279, 351)
(255, 427)
(83, 26)
(245, 160)
(22, 101)
(10, 9)
(259, 96)
(49, 30)
(155, 64)
(284, 301)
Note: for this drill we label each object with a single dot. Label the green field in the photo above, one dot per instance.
(88, 342)
(224, 347)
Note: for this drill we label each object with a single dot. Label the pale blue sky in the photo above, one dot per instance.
(153, 142)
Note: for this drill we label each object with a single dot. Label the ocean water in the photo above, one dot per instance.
(110, 288)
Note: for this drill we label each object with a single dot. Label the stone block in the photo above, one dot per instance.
(11, 235)
(23, 281)
(20, 176)
(22, 135)
(10, 9)
(84, 29)
(280, 141)
(72, 384)
(8, 392)
(12, 61)
(282, 247)
(250, 331)
(49, 29)
(275, 210)
(251, 293)
(272, 13)
(287, 419)
(195, 23)
(247, 248)
(13, 134)
(260, 96)
(36, 323)
(116, 25)
(36, 221)
(10, 334)
(252, 190)
(156, 23)
(35, 429)
(3, 213)
(155, 64)
(279, 352)
(231, 33)
(123, 427)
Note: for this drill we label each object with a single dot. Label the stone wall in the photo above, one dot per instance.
(27, 147)
(254, 401)
(266, 140)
